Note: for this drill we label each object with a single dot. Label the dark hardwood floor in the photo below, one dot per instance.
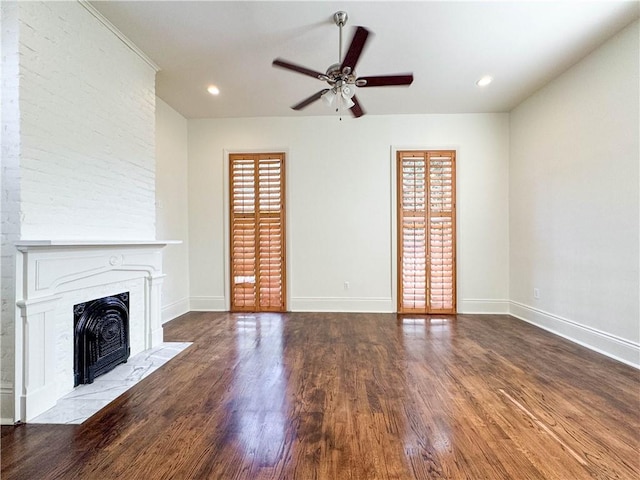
(354, 396)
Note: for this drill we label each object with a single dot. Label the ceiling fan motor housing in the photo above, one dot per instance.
(335, 74)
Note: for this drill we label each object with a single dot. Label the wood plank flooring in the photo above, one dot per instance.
(306, 396)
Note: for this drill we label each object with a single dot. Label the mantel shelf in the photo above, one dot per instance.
(24, 245)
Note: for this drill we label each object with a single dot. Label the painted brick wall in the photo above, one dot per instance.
(9, 200)
(78, 143)
(87, 114)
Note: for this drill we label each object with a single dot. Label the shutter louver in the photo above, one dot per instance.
(257, 233)
(426, 237)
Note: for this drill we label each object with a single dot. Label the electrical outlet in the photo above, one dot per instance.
(536, 293)
(346, 285)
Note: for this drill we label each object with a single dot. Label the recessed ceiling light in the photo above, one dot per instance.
(484, 81)
(213, 90)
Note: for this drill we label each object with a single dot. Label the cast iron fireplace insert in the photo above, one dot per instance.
(101, 336)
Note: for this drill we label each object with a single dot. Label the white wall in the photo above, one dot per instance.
(341, 209)
(172, 214)
(574, 202)
(81, 143)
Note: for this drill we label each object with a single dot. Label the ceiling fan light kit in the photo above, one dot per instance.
(341, 76)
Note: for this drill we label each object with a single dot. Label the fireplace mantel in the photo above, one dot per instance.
(50, 274)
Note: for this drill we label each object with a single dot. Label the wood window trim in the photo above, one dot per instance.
(430, 306)
(263, 222)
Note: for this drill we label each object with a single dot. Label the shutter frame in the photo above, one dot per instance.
(426, 231)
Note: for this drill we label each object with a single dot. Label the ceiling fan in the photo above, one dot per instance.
(341, 76)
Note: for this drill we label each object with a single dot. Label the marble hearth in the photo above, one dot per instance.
(86, 400)
(52, 277)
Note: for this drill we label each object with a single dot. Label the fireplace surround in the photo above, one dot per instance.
(51, 277)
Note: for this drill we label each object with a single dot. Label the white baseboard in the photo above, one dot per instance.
(207, 304)
(610, 345)
(336, 304)
(175, 309)
(6, 405)
(341, 304)
(483, 305)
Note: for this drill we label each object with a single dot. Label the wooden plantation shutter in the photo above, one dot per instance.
(257, 232)
(426, 232)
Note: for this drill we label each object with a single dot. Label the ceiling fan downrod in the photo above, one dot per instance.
(340, 18)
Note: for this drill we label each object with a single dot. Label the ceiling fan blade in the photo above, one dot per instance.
(355, 49)
(356, 110)
(311, 99)
(386, 80)
(278, 62)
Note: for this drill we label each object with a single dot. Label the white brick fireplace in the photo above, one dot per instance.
(78, 162)
(52, 277)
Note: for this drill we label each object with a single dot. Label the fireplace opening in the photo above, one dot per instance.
(101, 336)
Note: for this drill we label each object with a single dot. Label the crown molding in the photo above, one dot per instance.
(121, 36)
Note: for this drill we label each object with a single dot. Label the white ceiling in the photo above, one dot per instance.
(447, 45)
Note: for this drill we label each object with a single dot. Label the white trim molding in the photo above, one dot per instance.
(6, 398)
(342, 304)
(620, 349)
(121, 36)
(483, 305)
(208, 304)
(175, 309)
